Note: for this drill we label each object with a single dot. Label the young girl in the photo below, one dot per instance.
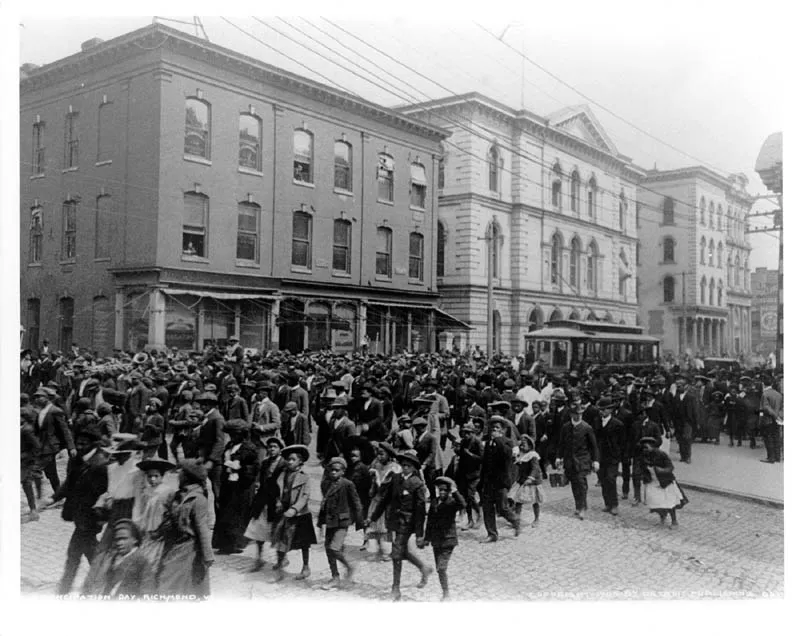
(295, 529)
(148, 511)
(263, 513)
(381, 471)
(441, 528)
(527, 487)
(662, 494)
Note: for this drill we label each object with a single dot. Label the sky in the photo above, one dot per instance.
(704, 77)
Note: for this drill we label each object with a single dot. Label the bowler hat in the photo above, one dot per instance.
(500, 404)
(275, 440)
(605, 403)
(298, 449)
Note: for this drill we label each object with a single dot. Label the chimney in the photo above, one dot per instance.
(90, 44)
(26, 69)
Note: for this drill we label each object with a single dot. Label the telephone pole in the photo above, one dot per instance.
(490, 293)
(685, 331)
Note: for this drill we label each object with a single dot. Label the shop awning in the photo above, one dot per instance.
(217, 295)
(451, 322)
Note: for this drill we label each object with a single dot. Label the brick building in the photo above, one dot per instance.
(557, 200)
(694, 266)
(175, 192)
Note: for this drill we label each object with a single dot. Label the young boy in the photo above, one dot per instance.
(295, 530)
(441, 529)
(340, 508)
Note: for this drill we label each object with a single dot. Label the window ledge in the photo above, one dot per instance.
(249, 264)
(39, 264)
(383, 279)
(70, 261)
(40, 175)
(385, 202)
(346, 193)
(103, 259)
(303, 184)
(194, 159)
(194, 259)
(251, 171)
(341, 275)
(417, 282)
(416, 208)
(72, 169)
(107, 162)
(295, 269)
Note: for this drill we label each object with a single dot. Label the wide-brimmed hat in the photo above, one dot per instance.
(408, 456)
(528, 439)
(299, 449)
(558, 396)
(500, 404)
(468, 427)
(194, 469)
(342, 400)
(161, 465)
(419, 421)
(275, 440)
(126, 446)
(445, 481)
(140, 358)
(517, 400)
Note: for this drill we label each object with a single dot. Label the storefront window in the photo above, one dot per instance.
(341, 337)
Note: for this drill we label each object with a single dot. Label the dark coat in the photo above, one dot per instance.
(470, 456)
(269, 491)
(54, 433)
(496, 465)
(578, 448)
(341, 506)
(211, 441)
(86, 481)
(441, 528)
(686, 414)
(611, 441)
(362, 481)
(403, 500)
(300, 433)
(132, 578)
(526, 425)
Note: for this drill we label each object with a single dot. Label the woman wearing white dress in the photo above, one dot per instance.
(662, 494)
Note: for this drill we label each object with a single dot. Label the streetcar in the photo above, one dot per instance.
(567, 345)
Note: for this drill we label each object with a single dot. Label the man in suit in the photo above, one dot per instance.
(295, 428)
(611, 442)
(86, 481)
(54, 434)
(468, 472)
(138, 396)
(211, 441)
(578, 453)
(298, 395)
(685, 417)
(495, 480)
(370, 415)
(524, 422)
(772, 419)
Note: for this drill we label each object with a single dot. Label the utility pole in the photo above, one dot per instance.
(490, 294)
(779, 344)
(685, 331)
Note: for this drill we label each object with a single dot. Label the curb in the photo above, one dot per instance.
(732, 494)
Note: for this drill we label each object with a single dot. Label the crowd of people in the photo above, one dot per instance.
(175, 457)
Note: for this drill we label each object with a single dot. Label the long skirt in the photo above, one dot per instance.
(234, 513)
(260, 528)
(294, 533)
(152, 548)
(669, 498)
(182, 571)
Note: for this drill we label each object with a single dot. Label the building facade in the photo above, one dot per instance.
(557, 202)
(764, 286)
(176, 193)
(693, 268)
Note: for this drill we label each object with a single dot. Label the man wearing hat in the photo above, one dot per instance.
(495, 480)
(295, 428)
(440, 530)
(211, 442)
(370, 415)
(685, 417)
(579, 455)
(611, 442)
(136, 403)
(523, 421)
(54, 434)
(266, 414)
(468, 471)
(402, 497)
(343, 430)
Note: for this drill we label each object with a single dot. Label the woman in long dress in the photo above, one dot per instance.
(150, 506)
(662, 493)
(264, 511)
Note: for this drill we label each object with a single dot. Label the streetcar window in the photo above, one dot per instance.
(543, 352)
(616, 350)
(560, 353)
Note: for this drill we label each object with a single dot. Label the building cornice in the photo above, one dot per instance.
(700, 173)
(543, 296)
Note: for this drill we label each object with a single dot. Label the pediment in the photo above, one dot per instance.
(580, 122)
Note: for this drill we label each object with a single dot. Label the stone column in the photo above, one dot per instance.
(723, 337)
(361, 325)
(119, 320)
(274, 331)
(237, 320)
(305, 326)
(431, 333)
(388, 343)
(201, 323)
(408, 335)
(158, 320)
(393, 335)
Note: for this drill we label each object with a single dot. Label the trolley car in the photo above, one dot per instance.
(566, 345)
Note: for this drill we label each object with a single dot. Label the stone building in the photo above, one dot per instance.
(764, 286)
(176, 193)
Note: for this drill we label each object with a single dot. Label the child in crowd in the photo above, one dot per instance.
(264, 511)
(358, 473)
(381, 471)
(662, 494)
(441, 530)
(148, 511)
(295, 529)
(527, 489)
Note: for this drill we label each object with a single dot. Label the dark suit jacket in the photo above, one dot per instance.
(526, 425)
(470, 456)
(685, 414)
(211, 442)
(441, 528)
(404, 502)
(496, 465)
(300, 433)
(86, 481)
(371, 416)
(611, 441)
(54, 433)
(340, 506)
(578, 448)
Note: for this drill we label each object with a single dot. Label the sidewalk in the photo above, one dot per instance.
(734, 471)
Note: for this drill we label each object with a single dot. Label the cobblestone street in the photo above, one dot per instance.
(723, 548)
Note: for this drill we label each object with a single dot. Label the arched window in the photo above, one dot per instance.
(303, 166)
(746, 274)
(69, 237)
(703, 286)
(703, 210)
(719, 293)
(724, 222)
(494, 169)
(719, 254)
(591, 267)
(36, 237)
(703, 251)
(555, 187)
(343, 166)
(592, 316)
(669, 289)
(66, 314)
(250, 142)
(669, 250)
(737, 272)
(574, 315)
(574, 263)
(669, 211)
(34, 322)
(591, 198)
(623, 210)
(555, 260)
(301, 239)
(383, 253)
(342, 239)
(419, 185)
(416, 251)
(556, 315)
(38, 158)
(441, 241)
(197, 138)
(249, 217)
(575, 191)
(535, 319)
(711, 252)
(712, 288)
(195, 225)
(440, 175)
(720, 223)
(385, 177)
(711, 218)
(730, 270)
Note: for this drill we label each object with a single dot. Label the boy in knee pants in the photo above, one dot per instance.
(441, 530)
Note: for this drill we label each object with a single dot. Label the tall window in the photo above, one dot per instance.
(574, 191)
(720, 219)
(669, 211)
(34, 321)
(38, 156)
(419, 185)
(555, 260)
(342, 233)
(301, 240)
(247, 243)
(494, 169)
(591, 267)
(303, 156)
(730, 270)
(703, 285)
(703, 210)
(711, 252)
(195, 225)
(591, 198)
(712, 288)
(36, 235)
(574, 263)
(343, 166)
(669, 289)
(719, 254)
(71, 140)
(385, 177)
(555, 187)
(703, 251)
(623, 210)
(105, 132)
(719, 293)
(250, 142)
(440, 174)
(197, 138)
(66, 314)
(69, 220)
(383, 253)
(669, 250)
(103, 223)
(440, 250)
(711, 217)
(416, 246)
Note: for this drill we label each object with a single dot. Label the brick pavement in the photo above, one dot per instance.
(723, 548)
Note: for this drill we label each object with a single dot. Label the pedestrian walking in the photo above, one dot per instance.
(440, 531)
(579, 455)
(264, 511)
(495, 480)
(662, 494)
(527, 488)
